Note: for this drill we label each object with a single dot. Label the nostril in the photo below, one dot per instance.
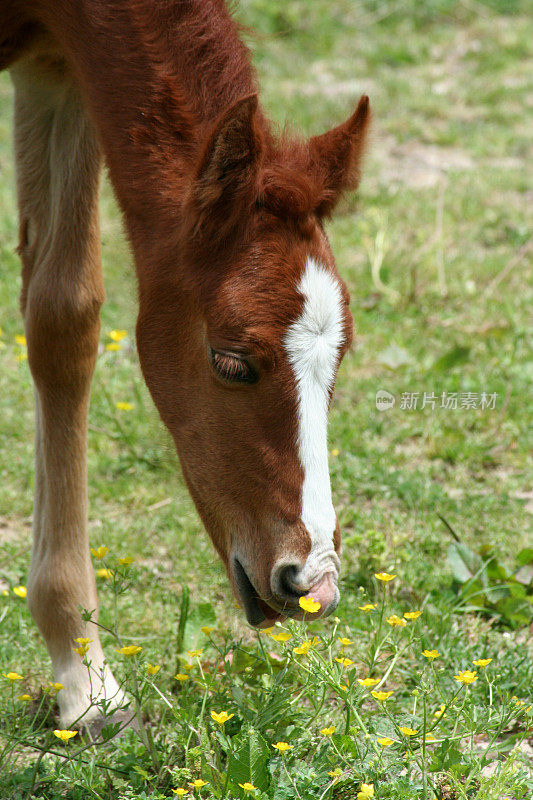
(285, 581)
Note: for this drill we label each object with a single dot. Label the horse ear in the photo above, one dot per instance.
(336, 156)
(227, 168)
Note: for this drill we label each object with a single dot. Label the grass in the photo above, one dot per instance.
(434, 250)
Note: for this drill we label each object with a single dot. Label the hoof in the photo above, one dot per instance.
(121, 719)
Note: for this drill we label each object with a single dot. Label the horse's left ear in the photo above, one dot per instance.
(224, 183)
(336, 156)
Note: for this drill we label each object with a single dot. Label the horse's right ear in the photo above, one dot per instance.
(336, 156)
(226, 174)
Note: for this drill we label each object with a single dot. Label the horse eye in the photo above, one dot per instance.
(232, 368)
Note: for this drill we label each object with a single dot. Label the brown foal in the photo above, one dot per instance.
(243, 317)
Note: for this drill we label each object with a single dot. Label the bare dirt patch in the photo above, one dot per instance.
(14, 531)
(417, 165)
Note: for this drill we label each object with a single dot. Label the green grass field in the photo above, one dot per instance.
(436, 251)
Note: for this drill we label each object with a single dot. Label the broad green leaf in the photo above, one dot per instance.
(200, 615)
(250, 760)
(525, 556)
(464, 562)
(524, 575)
(457, 355)
(516, 612)
(445, 757)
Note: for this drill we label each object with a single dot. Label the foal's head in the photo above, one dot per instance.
(240, 347)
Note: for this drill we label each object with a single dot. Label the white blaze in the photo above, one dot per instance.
(313, 342)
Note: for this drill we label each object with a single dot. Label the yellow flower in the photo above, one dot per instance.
(282, 747)
(117, 336)
(344, 687)
(181, 677)
(221, 717)
(195, 653)
(385, 741)
(82, 640)
(129, 649)
(430, 737)
(113, 347)
(335, 773)
(367, 607)
(54, 688)
(366, 792)
(344, 662)
(22, 356)
(25, 698)
(100, 552)
(104, 573)
(384, 576)
(65, 735)
(207, 629)
(152, 669)
(5, 592)
(335, 452)
(266, 631)
(328, 731)
(412, 614)
(123, 405)
(20, 591)
(302, 649)
(440, 712)
(21, 339)
(13, 676)
(188, 666)
(381, 696)
(345, 642)
(367, 681)
(408, 731)
(198, 783)
(81, 650)
(466, 676)
(248, 787)
(309, 604)
(282, 636)
(180, 792)
(482, 662)
(431, 654)
(395, 620)
(519, 703)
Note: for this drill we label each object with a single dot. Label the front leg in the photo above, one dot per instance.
(58, 166)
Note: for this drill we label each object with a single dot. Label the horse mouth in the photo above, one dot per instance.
(258, 612)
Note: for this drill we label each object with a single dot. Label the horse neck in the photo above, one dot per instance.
(155, 76)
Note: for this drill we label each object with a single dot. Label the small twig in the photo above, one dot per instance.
(161, 504)
(66, 757)
(439, 225)
(103, 431)
(449, 527)
(511, 264)
(160, 693)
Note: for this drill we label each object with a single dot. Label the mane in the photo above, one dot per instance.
(178, 36)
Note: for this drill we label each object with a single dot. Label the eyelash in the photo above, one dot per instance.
(232, 369)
